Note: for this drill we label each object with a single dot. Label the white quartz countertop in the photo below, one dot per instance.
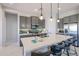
(46, 41)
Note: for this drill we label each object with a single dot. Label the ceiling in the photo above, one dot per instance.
(29, 8)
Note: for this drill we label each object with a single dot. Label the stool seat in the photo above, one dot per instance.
(44, 51)
(74, 43)
(68, 42)
(57, 49)
(41, 54)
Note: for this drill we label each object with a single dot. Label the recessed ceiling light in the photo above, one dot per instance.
(35, 9)
(59, 8)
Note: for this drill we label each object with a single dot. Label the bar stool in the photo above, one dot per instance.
(56, 50)
(67, 49)
(67, 46)
(41, 52)
(74, 44)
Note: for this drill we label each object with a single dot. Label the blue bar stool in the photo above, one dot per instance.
(68, 43)
(67, 46)
(75, 45)
(44, 51)
(56, 50)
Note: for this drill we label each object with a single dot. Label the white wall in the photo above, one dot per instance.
(3, 28)
(0, 25)
(50, 26)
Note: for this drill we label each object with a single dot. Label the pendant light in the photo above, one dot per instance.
(58, 13)
(51, 12)
(41, 16)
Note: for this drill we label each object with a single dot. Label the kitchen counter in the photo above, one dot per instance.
(29, 46)
(32, 34)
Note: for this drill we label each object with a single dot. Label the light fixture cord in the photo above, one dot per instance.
(51, 11)
(41, 9)
(58, 11)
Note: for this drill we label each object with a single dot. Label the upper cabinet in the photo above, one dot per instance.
(66, 19)
(25, 22)
(35, 20)
(60, 24)
(38, 22)
(41, 23)
(73, 18)
(30, 22)
(70, 19)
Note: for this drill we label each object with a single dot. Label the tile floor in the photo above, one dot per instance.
(18, 51)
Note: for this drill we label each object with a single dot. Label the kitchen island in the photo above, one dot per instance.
(29, 45)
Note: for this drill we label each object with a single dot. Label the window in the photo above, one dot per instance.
(71, 28)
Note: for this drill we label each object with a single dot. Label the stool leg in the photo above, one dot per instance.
(67, 52)
(64, 51)
(75, 51)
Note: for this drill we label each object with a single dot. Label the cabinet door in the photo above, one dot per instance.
(25, 22)
(66, 19)
(28, 22)
(37, 21)
(22, 22)
(41, 23)
(60, 24)
(73, 19)
(34, 20)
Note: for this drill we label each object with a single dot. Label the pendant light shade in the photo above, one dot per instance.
(51, 19)
(41, 16)
(58, 20)
(51, 12)
(58, 13)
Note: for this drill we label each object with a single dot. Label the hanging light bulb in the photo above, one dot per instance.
(41, 16)
(58, 20)
(51, 19)
(51, 12)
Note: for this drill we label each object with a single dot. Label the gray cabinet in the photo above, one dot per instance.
(35, 20)
(73, 19)
(66, 19)
(41, 23)
(38, 22)
(29, 22)
(25, 22)
(70, 19)
(60, 24)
